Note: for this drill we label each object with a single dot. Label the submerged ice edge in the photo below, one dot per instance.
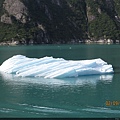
(91, 80)
(49, 67)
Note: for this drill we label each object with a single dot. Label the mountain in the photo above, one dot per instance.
(59, 21)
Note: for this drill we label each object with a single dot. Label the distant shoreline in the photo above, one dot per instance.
(108, 41)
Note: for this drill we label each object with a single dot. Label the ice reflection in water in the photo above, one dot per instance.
(82, 80)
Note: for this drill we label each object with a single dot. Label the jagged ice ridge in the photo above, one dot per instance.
(49, 67)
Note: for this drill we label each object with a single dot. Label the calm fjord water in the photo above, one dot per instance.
(82, 97)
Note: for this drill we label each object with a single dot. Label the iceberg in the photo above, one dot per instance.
(49, 67)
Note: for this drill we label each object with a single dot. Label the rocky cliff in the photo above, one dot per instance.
(59, 21)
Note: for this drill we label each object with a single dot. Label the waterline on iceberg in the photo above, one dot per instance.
(49, 67)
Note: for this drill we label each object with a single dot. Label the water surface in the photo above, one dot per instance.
(82, 97)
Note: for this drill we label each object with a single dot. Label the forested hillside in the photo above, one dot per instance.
(59, 21)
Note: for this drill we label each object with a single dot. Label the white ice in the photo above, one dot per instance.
(49, 67)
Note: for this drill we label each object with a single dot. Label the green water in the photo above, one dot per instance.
(82, 97)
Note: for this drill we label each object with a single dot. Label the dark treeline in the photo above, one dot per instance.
(59, 21)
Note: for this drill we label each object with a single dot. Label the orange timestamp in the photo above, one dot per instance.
(112, 103)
